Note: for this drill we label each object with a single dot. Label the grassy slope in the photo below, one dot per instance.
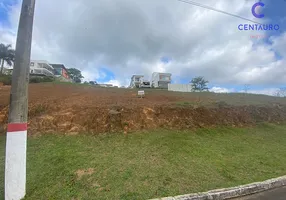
(148, 165)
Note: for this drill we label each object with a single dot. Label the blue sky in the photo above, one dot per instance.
(107, 75)
(4, 8)
(274, 11)
(165, 60)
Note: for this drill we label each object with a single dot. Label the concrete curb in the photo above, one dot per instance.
(228, 193)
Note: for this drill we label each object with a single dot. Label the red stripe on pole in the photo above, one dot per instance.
(17, 127)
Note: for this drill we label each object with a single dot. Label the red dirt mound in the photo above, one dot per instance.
(75, 109)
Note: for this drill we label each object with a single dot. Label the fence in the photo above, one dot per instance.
(180, 87)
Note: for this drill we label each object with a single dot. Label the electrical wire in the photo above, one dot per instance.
(214, 9)
(221, 11)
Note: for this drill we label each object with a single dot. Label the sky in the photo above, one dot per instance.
(110, 40)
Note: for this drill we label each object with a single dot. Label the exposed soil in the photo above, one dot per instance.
(74, 109)
(82, 172)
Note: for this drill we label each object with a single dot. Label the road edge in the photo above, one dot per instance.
(232, 192)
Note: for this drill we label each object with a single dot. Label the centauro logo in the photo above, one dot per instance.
(258, 26)
(254, 11)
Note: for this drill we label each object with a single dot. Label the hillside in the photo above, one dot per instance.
(67, 108)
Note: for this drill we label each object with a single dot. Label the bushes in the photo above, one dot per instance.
(5, 79)
(221, 104)
(37, 79)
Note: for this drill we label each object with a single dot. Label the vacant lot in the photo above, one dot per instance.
(148, 165)
(68, 94)
(73, 109)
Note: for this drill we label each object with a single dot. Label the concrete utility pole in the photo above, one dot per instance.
(16, 142)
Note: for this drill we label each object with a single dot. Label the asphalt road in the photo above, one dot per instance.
(275, 194)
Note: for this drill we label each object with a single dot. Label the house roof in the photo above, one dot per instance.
(137, 76)
(40, 61)
(161, 73)
(57, 66)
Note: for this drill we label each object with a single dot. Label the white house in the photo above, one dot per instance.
(135, 81)
(161, 80)
(7, 71)
(41, 68)
(143, 83)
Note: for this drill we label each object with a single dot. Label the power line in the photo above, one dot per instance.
(214, 9)
(221, 11)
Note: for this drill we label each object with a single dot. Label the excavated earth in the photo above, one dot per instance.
(72, 109)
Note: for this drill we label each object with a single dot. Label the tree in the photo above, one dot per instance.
(246, 88)
(75, 74)
(7, 54)
(199, 84)
(281, 92)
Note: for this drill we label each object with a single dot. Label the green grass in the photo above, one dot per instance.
(148, 165)
(66, 83)
(5, 79)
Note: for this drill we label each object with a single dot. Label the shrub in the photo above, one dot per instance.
(6, 79)
(35, 80)
(221, 104)
(41, 79)
(48, 79)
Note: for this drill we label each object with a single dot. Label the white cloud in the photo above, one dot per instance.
(113, 82)
(89, 76)
(221, 90)
(279, 44)
(283, 20)
(268, 91)
(129, 37)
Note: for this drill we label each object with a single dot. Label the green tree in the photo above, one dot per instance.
(199, 84)
(7, 54)
(75, 74)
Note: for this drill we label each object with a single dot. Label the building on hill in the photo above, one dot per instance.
(135, 81)
(161, 80)
(37, 68)
(44, 68)
(144, 83)
(41, 68)
(7, 71)
(60, 70)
